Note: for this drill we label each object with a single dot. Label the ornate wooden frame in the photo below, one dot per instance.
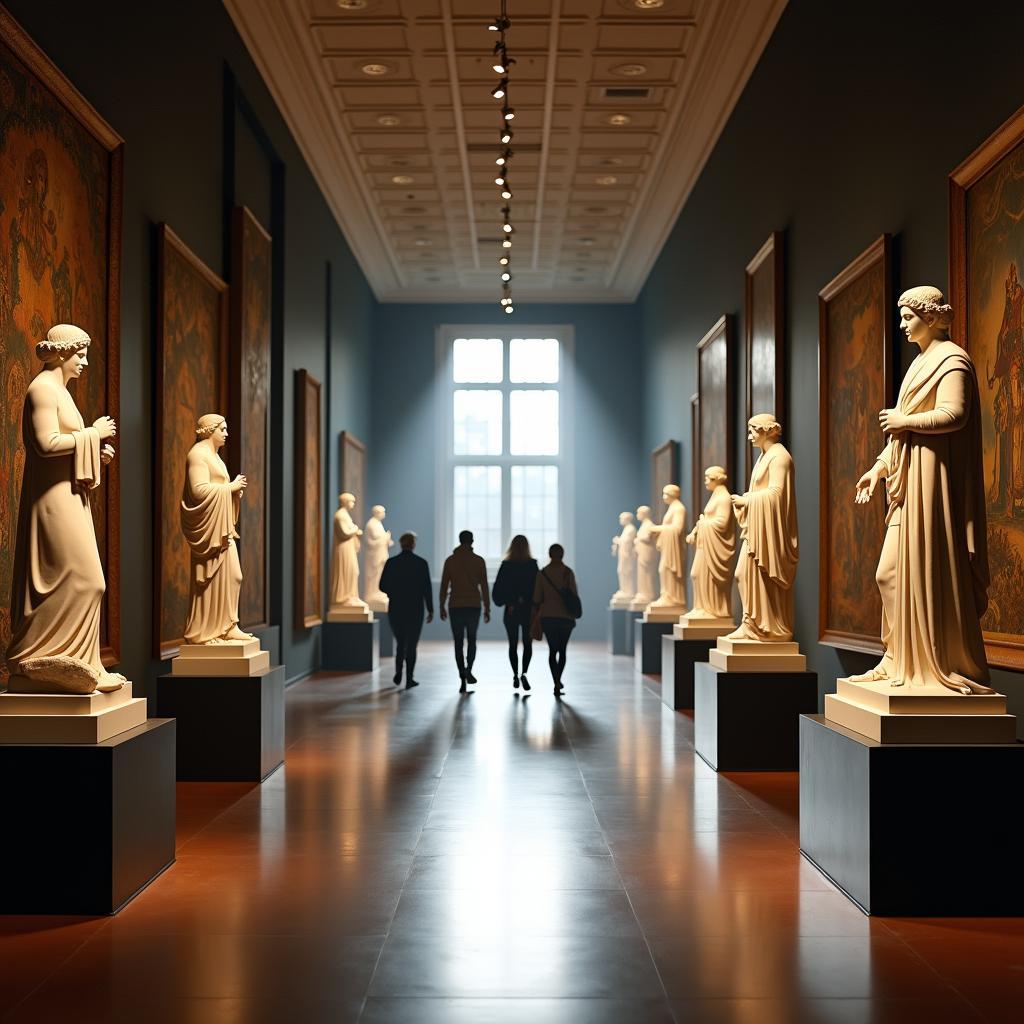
(349, 445)
(880, 251)
(664, 470)
(696, 471)
(309, 558)
(723, 329)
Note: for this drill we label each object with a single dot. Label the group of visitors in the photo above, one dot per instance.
(537, 602)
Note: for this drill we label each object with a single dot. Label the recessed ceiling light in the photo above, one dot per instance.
(630, 70)
(375, 70)
(586, 241)
(647, 5)
(389, 121)
(606, 179)
(353, 5)
(422, 242)
(619, 120)
(402, 179)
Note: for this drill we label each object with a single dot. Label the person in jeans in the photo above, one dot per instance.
(555, 619)
(465, 575)
(406, 580)
(513, 588)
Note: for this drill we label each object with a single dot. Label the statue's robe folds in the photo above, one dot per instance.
(345, 560)
(209, 512)
(766, 568)
(57, 586)
(626, 561)
(672, 565)
(646, 562)
(376, 538)
(714, 550)
(938, 586)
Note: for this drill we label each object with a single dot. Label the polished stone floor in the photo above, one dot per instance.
(426, 857)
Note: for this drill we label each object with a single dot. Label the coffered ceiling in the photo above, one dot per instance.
(618, 104)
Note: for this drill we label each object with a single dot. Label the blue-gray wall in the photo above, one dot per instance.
(609, 455)
(840, 135)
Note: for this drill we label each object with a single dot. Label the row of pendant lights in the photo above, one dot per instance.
(501, 65)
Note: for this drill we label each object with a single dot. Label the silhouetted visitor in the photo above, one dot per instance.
(557, 599)
(406, 580)
(513, 588)
(466, 574)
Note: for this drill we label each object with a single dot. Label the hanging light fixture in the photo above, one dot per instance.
(501, 64)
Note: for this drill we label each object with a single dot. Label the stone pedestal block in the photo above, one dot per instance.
(647, 645)
(678, 659)
(350, 646)
(620, 625)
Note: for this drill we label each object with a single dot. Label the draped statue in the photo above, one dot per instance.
(672, 564)
(623, 551)
(714, 539)
(377, 541)
(345, 558)
(645, 546)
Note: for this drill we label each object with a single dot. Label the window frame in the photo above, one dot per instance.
(445, 448)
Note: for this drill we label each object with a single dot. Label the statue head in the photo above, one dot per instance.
(924, 315)
(408, 541)
(346, 500)
(378, 512)
(214, 427)
(65, 346)
(625, 518)
(763, 429)
(713, 476)
(643, 513)
(670, 493)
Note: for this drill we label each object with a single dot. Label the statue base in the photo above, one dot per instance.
(702, 627)
(919, 714)
(229, 729)
(880, 821)
(678, 660)
(378, 604)
(640, 603)
(749, 721)
(757, 656)
(620, 600)
(227, 659)
(663, 612)
(647, 645)
(91, 824)
(350, 646)
(69, 717)
(620, 625)
(349, 613)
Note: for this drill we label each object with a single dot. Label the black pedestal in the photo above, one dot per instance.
(620, 625)
(647, 645)
(86, 826)
(350, 646)
(678, 658)
(914, 829)
(631, 618)
(387, 638)
(230, 728)
(750, 721)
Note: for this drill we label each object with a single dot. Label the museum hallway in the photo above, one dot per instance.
(428, 858)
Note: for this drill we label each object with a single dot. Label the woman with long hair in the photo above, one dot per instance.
(513, 588)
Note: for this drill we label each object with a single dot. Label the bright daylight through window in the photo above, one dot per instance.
(504, 446)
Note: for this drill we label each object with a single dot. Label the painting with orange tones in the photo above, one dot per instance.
(309, 517)
(251, 294)
(191, 381)
(60, 245)
(855, 383)
(987, 294)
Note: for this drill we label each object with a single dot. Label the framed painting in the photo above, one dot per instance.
(191, 380)
(352, 472)
(696, 472)
(249, 384)
(664, 470)
(60, 262)
(765, 325)
(855, 373)
(309, 516)
(986, 255)
(713, 445)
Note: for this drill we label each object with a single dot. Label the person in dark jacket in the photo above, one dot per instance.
(513, 588)
(406, 580)
(555, 618)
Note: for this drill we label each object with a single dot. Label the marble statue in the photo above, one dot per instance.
(714, 540)
(210, 503)
(623, 550)
(645, 546)
(377, 541)
(770, 550)
(671, 600)
(57, 585)
(933, 570)
(345, 600)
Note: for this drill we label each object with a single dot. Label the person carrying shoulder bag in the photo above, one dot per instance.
(557, 605)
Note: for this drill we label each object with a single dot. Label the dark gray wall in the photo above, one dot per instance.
(847, 129)
(609, 462)
(158, 77)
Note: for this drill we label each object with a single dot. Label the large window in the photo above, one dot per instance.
(504, 464)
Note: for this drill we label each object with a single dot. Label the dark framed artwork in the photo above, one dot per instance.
(713, 445)
(664, 470)
(249, 384)
(765, 326)
(309, 516)
(191, 380)
(352, 472)
(986, 256)
(696, 472)
(855, 372)
(60, 262)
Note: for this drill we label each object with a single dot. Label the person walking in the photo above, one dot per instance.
(465, 576)
(513, 588)
(405, 579)
(557, 600)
